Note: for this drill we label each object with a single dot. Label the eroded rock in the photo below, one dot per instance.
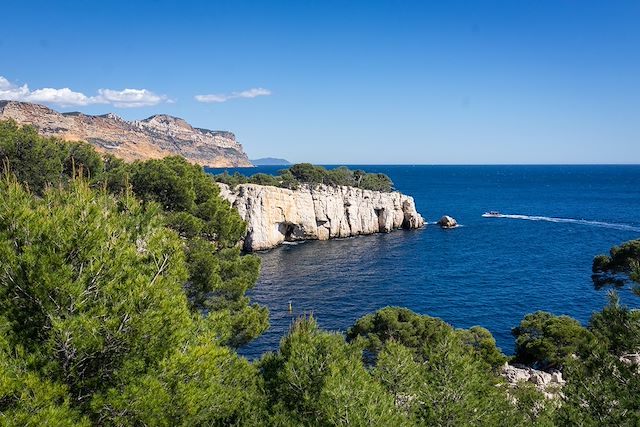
(275, 215)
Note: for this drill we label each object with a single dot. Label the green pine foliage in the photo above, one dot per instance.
(548, 341)
(317, 379)
(96, 319)
(40, 162)
(438, 374)
(603, 387)
(306, 173)
(622, 260)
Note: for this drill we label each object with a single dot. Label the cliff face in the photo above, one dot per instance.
(153, 138)
(275, 215)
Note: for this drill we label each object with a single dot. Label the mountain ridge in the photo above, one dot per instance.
(155, 137)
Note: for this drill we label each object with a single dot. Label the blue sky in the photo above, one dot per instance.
(349, 82)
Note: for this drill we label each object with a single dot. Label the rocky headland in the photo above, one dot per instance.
(152, 138)
(275, 215)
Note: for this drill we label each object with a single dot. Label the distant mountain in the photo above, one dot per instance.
(152, 138)
(270, 161)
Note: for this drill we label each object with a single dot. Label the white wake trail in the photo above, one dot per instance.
(624, 227)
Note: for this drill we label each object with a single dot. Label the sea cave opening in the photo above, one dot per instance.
(287, 230)
(380, 215)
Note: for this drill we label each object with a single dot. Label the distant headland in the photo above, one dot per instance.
(270, 161)
(152, 138)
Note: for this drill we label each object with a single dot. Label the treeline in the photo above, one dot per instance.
(111, 314)
(306, 173)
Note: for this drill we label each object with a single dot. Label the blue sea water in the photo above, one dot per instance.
(488, 272)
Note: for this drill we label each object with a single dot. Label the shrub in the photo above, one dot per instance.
(548, 341)
(264, 179)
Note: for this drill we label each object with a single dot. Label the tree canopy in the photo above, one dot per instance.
(623, 259)
(548, 341)
(306, 173)
(94, 316)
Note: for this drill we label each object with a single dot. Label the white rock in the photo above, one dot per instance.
(556, 377)
(548, 383)
(630, 358)
(514, 375)
(540, 378)
(275, 215)
(447, 222)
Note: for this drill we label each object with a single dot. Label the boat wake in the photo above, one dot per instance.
(624, 227)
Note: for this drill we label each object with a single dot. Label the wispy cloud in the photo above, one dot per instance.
(126, 98)
(249, 93)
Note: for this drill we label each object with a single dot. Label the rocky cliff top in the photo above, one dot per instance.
(154, 137)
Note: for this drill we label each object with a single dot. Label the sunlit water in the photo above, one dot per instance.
(489, 272)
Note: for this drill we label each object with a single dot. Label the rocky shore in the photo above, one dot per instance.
(275, 215)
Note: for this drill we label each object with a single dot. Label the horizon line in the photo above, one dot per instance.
(434, 164)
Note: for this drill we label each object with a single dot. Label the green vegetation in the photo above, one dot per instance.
(548, 341)
(444, 375)
(122, 300)
(180, 194)
(623, 259)
(95, 320)
(306, 173)
(603, 385)
(317, 379)
(38, 162)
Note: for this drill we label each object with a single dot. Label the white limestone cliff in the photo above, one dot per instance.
(275, 215)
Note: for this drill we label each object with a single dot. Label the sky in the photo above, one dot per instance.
(347, 82)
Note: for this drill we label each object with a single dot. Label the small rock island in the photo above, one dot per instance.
(447, 222)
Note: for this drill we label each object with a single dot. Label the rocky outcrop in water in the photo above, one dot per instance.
(275, 215)
(152, 138)
(447, 222)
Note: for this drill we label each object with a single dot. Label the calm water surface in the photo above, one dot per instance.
(489, 272)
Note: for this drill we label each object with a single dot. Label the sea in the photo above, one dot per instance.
(489, 271)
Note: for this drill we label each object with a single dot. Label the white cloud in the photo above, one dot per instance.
(249, 93)
(12, 92)
(127, 98)
(65, 97)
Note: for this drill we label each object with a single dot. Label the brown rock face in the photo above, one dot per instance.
(153, 138)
